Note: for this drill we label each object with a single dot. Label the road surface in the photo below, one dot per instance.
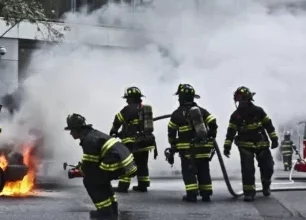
(163, 201)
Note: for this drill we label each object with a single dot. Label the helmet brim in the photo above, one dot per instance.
(125, 97)
(195, 96)
(77, 127)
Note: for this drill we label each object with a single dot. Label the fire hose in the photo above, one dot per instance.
(75, 172)
(225, 175)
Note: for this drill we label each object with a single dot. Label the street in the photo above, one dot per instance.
(163, 201)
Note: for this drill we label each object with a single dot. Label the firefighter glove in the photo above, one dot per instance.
(78, 166)
(296, 152)
(113, 133)
(274, 144)
(155, 153)
(226, 152)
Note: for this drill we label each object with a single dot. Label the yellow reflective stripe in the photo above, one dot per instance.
(249, 187)
(145, 149)
(253, 126)
(209, 119)
(128, 140)
(272, 134)
(125, 179)
(253, 145)
(228, 142)
(143, 178)
(103, 204)
(120, 117)
(113, 198)
(265, 120)
(134, 122)
(90, 158)
(108, 144)
(184, 128)
(182, 145)
(284, 152)
(172, 125)
(198, 156)
(233, 126)
(129, 173)
(205, 187)
(117, 166)
(191, 187)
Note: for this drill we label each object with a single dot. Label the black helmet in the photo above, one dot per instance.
(243, 94)
(132, 92)
(287, 135)
(186, 90)
(76, 121)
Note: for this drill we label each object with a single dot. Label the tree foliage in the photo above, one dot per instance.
(16, 11)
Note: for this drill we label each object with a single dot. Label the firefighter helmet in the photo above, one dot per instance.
(76, 121)
(243, 94)
(186, 90)
(287, 135)
(132, 92)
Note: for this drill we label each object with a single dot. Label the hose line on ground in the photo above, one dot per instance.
(226, 178)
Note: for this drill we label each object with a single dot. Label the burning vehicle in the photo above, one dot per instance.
(17, 170)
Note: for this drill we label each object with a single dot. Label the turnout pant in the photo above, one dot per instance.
(287, 160)
(265, 164)
(199, 181)
(101, 194)
(141, 159)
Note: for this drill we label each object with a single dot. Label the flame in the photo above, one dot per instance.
(26, 185)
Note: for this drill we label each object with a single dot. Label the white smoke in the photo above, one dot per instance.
(216, 47)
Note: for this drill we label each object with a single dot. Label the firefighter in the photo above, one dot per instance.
(287, 147)
(251, 122)
(136, 121)
(194, 154)
(104, 159)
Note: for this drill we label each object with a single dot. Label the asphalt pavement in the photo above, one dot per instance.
(163, 201)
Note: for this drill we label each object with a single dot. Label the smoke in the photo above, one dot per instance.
(216, 47)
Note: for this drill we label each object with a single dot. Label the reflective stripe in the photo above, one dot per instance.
(228, 142)
(120, 117)
(198, 156)
(145, 149)
(272, 135)
(143, 178)
(125, 179)
(205, 187)
(253, 145)
(187, 145)
(253, 126)
(134, 122)
(191, 187)
(209, 119)
(233, 126)
(117, 166)
(249, 187)
(129, 173)
(265, 120)
(103, 204)
(90, 158)
(128, 140)
(185, 128)
(172, 125)
(108, 144)
(113, 198)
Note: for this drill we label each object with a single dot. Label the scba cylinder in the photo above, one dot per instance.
(196, 119)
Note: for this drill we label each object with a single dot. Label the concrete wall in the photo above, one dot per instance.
(9, 66)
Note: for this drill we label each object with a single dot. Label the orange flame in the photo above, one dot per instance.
(26, 185)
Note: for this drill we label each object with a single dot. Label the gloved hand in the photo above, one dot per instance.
(113, 133)
(296, 152)
(155, 153)
(226, 152)
(274, 144)
(78, 166)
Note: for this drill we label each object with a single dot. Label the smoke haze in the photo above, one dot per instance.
(215, 47)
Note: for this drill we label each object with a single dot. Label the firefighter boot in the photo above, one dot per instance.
(189, 197)
(120, 189)
(104, 214)
(248, 198)
(266, 189)
(115, 208)
(206, 198)
(140, 188)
